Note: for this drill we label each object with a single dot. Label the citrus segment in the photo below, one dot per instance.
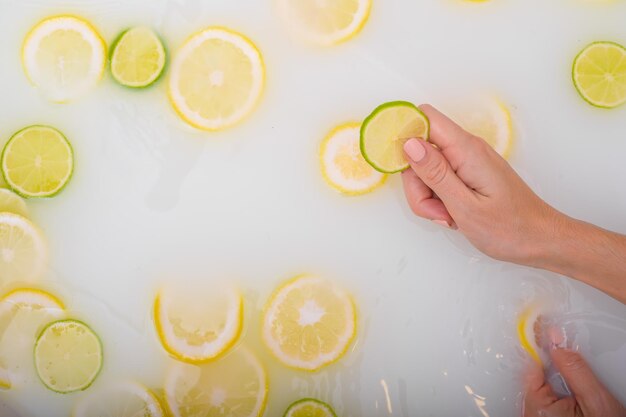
(64, 56)
(386, 129)
(128, 399)
(310, 407)
(309, 323)
(68, 356)
(216, 79)
(138, 58)
(12, 203)
(37, 161)
(342, 164)
(234, 386)
(197, 326)
(526, 333)
(599, 74)
(23, 252)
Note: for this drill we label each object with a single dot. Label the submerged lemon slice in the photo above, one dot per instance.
(216, 79)
(138, 58)
(309, 323)
(22, 314)
(64, 56)
(23, 252)
(197, 326)
(68, 356)
(37, 161)
(385, 131)
(234, 386)
(526, 333)
(343, 166)
(12, 203)
(599, 74)
(128, 399)
(310, 407)
(325, 22)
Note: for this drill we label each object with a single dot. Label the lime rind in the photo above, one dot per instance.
(293, 408)
(159, 74)
(373, 116)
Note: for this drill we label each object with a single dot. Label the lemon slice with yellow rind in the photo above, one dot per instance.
(342, 164)
(23, 251)
(216, 79)
(599, 74)
(526, 333)
(12, 203)
(128, 399)
(64, 56)
(138, 58)
(309, 323)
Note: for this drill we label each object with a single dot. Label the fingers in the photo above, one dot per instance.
(443, 131)
(422, 201)
(540, 399)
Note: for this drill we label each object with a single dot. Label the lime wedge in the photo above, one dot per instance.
(138, 58)
(37, 161)
(68, 356)
(310, 407)
(384, 132)
(599, 74)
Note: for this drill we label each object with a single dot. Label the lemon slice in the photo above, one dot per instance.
(12, 203)
(22, 314)
(343, 166)
(385, 131)
(310, 407)
(128, 399)
(216, 79)
(599, 74)
(63, 56)
(68, 356)
(309, 323)
(325, 22)
(138, 58)
(487, 118)
(234, 386)
(37, 161)
(197, 326)
(23, 252)
(526, 333)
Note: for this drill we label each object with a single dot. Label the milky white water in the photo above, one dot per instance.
(155, 201)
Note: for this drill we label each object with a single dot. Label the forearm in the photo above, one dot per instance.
(587, 253)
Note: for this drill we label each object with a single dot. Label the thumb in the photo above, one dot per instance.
(434, 170)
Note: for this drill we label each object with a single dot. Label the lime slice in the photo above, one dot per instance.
(64, 56)
(343, 166)
(128, 399)
(309, 323)
(310, 407)
(233, 386)
(68, 356)
(138, 58)
(12, 203)
(37, 161)
(385, 131)
(23, 251)
(599, 74)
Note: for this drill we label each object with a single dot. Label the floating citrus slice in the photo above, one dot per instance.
(310, 407)
(234, 386)
(526, 327)
(309, 323)
(64, 56)
(138, 58)
(216, 79)
(23, 252)
(385, 131)
(343, 166)
(128, 399)
(599, 74)
(12, 203)
(195, 325)
(68, 356)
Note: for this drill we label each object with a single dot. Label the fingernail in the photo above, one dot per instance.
(414, 149)
(443, 223)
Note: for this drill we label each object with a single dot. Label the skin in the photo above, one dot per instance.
(462, 183)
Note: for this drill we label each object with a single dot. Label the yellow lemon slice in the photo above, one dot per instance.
(599, 74)
(138, 58)
(128, 399)
(325, 22)
(23, 312)
(526, 333)
(23, 252)
(342, 164)
(309, 323)
(195, 325)
(63, 56)
(12, 203)
(310, 407)
(216, 79)
(234, 386)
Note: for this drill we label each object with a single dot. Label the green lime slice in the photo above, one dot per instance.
(68, 356)
(599, 74)
(310, 407)
(386, 129)
(37, 161)
(138, 58)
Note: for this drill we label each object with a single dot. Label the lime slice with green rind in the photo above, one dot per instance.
(138, 58)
